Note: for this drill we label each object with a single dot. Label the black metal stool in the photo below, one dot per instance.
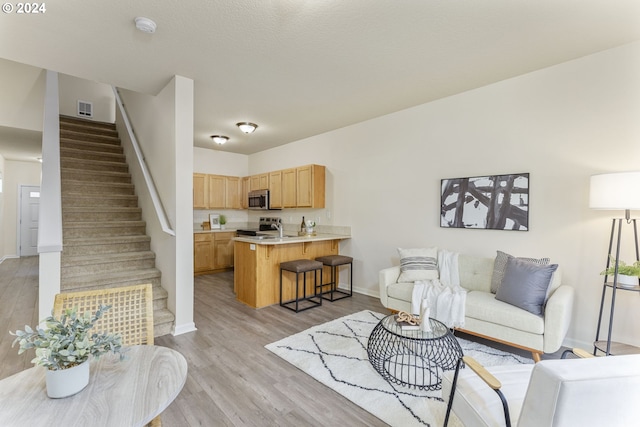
(302, 266)
(335, 261)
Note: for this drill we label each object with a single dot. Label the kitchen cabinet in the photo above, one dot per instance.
(310, 192)
(223, 249)
(275, 190)
(217, 189)
(203, 253)
(289, 188)
(233, 189)
(259, 182)
(212, 251)
(244, 193)
(200, 191)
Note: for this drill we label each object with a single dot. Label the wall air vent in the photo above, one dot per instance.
(85, 109)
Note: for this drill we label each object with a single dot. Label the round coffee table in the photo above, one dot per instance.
(411, 357)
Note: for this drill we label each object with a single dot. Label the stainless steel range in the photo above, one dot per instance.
(265, 224)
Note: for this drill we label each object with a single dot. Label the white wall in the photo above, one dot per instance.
(560, 124)
(100, 95)
(2, 184)
(220, 163)
(16, 173)
(164, 127)
(22, 100)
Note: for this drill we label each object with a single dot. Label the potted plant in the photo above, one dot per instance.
(627, 274)
(64, 346)
(223, 221)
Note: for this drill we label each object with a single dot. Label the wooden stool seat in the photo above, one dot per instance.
(335, 261)
(302, 266)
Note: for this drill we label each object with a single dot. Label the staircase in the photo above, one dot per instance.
(104, 240)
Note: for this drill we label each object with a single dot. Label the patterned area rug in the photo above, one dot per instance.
(335, 353)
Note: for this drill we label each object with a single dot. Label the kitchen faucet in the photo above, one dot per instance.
(280, 227)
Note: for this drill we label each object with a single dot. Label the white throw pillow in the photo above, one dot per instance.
(418, 264)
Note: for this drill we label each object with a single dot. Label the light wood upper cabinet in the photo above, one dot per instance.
(259, 182)
(200, 191)
(244, 192)
(233, 189)
(289, 188)
(217, 191)
(275, 190)
(310, 186)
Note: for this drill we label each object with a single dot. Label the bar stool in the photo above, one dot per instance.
(302, 266)
(335, 261)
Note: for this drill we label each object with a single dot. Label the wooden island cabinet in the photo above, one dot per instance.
(257, 266)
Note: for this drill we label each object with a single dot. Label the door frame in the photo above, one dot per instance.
(19, 219)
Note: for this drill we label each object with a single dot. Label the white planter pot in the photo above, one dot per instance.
(67, 382)
(625, 281)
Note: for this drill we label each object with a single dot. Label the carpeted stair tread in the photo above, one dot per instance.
(111, 279)
(93, 259)
(98, 201)
(105, 224)
(83, 187)
(107, 213)
(79, 122)
(87, 164)
(75, 153)
(88, 241)
(69, 143)
(89, 137)
(92, 176)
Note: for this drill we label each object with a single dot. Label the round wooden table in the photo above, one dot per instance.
(127, 393)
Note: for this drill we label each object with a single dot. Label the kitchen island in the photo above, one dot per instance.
(257, 265)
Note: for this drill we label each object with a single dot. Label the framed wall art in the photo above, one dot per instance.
(497, 202)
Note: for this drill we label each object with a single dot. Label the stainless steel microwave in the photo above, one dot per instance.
(259, 199)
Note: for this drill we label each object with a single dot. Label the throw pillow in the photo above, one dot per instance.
(418, 264)
(525, 284)
(501, 263)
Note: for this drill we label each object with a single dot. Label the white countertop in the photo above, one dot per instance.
(291, 239)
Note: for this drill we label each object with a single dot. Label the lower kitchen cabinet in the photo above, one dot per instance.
(212, 252)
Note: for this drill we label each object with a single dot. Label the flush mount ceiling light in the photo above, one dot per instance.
(247, 127)
(145, 25)
(219, 139)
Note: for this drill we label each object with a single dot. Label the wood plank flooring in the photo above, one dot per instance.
(233, 380)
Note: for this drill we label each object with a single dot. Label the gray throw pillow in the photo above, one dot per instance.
(500, 264)
(525, 285)
(418, 264)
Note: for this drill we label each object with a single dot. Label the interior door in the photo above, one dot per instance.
(29, 208)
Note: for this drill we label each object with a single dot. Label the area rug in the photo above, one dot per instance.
(335, 353)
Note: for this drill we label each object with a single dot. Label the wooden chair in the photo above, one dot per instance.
(130, 315)
(562, 393)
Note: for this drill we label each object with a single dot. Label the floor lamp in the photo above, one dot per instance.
(614, 191)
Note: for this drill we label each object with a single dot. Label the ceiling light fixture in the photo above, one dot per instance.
(247, 127)
(145, 25)
(219, 139)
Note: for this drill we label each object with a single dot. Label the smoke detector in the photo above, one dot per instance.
(145, 25)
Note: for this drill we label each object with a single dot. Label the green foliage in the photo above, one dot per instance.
(223, 220)
(68, 341)
(623, 268)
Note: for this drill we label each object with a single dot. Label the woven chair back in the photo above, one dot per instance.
(130, 315)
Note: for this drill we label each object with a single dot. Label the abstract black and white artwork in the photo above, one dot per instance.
(498, 202)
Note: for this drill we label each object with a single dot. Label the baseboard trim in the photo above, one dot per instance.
(183, 329)
(8, 257)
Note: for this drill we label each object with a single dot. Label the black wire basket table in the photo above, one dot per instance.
(412, 357)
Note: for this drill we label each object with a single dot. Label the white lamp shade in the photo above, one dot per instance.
(615, 191)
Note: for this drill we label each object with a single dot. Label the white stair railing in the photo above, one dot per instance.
(151, 187)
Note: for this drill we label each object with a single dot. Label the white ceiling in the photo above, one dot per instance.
(298, 68)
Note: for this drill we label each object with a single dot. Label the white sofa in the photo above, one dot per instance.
(487, 317)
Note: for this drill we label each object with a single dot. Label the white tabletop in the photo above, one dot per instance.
(127, 393)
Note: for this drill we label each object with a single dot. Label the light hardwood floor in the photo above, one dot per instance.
(233, 380)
